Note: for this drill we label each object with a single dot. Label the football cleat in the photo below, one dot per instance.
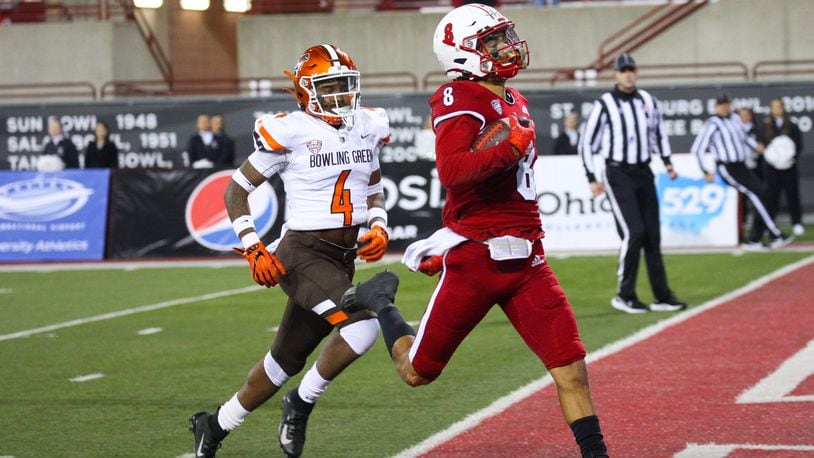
(292, 425)
(629, 305)
(670, 305)
(754, 246)
(207, 437)
(374, 294)
(781, 241)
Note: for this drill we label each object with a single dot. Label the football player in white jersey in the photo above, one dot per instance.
(327, 157)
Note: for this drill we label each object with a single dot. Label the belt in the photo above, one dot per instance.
(340, 253)
(624, 165)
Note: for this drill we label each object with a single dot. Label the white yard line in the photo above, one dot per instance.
(518, 395)
(147, 308)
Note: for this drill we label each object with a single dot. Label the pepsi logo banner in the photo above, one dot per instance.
(53, 216)
(206, 217)
(180, 213)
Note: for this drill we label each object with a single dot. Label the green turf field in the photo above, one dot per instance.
(152, 383)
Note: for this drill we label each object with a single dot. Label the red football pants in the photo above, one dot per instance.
(471, 283)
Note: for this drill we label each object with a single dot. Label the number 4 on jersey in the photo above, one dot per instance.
(341, 202)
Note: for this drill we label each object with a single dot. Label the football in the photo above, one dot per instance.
(495, 133)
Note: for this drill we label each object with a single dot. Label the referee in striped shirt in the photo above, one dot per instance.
(625, 128)
(725, 137)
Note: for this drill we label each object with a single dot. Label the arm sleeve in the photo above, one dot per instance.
(457, 164)
(701, 143)
(658, 140)
(590, 138)
(270, 135)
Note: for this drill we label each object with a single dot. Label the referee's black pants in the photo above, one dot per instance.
(747, 183)
(635, 204)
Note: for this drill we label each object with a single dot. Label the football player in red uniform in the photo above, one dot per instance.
(490, 249)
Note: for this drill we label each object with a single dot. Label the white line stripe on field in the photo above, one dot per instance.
(722, 450)
(146, 308)
(521, 393)
(149, 331)
(131, 311)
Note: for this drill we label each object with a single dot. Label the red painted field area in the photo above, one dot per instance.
(679, 387)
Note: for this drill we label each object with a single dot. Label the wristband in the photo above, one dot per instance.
(241, 180)
(249, 239)
(241, 223)
(377, 212)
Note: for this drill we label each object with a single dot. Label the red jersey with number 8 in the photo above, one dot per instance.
(490, 193)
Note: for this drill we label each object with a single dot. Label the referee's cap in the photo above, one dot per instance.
(722, 98)
(625, 60)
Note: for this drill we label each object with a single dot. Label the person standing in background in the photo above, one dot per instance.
(102, 153)
(723, 135)
(754, 161)
(625, 128)
(60, 145)
(200, 154)
(785, 181)
(568, 140)
(222, 146)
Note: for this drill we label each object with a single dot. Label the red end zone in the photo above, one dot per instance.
(676, 393)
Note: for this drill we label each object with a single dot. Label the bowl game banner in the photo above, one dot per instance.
(59, 216)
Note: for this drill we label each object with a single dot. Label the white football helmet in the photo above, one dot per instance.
(475, 41)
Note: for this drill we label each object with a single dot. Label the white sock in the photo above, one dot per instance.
(231, 414)
(312, 385)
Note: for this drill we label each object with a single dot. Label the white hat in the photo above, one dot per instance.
(780, 152)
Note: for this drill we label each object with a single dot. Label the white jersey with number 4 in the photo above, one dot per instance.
(326, 171)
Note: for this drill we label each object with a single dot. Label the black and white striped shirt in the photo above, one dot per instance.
(725, 138)
(625, 128)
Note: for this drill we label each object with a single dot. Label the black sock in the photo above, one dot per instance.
(299, 404)
(393, 326)
(589, 437)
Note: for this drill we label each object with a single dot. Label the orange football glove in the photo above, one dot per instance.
(266, 269)
(431, 265)
(521, 136)
(373, 244)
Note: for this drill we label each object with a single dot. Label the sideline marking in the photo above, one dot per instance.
(722, 450)
(776, 386)
(523, 392)
(145, 308)
(85, 378)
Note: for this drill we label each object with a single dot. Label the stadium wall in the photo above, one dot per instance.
(728, 30)
(96, 52)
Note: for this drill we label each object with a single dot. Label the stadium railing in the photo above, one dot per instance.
(782, 68)
(62, 90)
(247, 86)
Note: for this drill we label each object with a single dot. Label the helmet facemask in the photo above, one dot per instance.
(502, 53)
(332, 96)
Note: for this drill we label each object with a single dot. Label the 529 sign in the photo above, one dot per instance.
(693, 200)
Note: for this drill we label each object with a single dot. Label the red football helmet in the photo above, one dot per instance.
(326, 84)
